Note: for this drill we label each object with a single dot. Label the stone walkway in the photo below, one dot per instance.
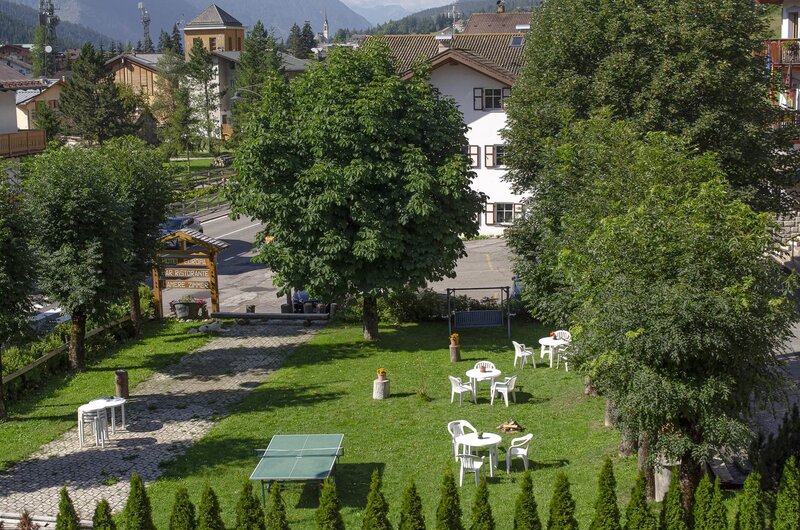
(166, 414)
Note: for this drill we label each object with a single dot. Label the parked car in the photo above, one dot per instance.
(173, 224)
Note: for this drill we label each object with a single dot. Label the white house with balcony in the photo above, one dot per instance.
(478, 71)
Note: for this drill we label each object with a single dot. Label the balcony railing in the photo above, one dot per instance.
(783, 51)
(22, 143)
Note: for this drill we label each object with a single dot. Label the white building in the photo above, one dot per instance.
(478, 71)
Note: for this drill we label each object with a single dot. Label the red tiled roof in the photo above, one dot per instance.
(10, 79)
(496, 22)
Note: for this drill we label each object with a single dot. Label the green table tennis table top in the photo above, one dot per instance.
(298, 457)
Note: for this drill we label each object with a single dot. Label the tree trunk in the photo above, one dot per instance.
(370, 317)
(77, 352)
(689, 473)
(608, 420)
(627, 445)
(3, 411)
(136, 312)
(644, 465)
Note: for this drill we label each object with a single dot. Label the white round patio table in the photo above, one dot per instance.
(112, 403)
(93, 410)
(489, 441)
(549, 345)
(475, 375)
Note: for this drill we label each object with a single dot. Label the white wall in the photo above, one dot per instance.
(458, 82)
(8, 111)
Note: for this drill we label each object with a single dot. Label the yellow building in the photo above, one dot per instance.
(138, 71)
(216, 29)
(29, 101)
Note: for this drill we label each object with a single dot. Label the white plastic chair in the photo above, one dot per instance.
(523, 353)
(472, 464)
(562, 354)
(485, 364)
(98, 422)
(460, 388)
(518, 448)
(457, 428)
(563, 334)
(504, 389)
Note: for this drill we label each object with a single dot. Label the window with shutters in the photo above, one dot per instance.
(504, 212)
(490, 98)
(494, 156)
(474, 154)
(212, 43)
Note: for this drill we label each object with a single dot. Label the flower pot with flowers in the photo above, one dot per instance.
(454, 339)
(188, 307)
(455, 350)
(381, 374)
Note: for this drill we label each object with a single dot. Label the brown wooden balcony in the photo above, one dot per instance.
(22, 143)
(783, 51)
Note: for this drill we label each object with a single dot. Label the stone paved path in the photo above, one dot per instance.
(165, 414)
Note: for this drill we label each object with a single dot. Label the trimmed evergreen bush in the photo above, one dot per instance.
(208, 511)
(102, 518)
(183, 514)
(638, 515)
(751, 514)
(673, 516)
(787, 503)
(562, 506)
(606, 510)
(249, 515)
(526, 512)
(481, 510)
(411, 516)
(701, 507)
(377, 509)
(718, 515)
(137, 514)
(328, 515)
(276, 510)
(67, 518)
(448, 513)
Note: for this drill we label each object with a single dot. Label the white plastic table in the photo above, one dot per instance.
(549, 345)
(489, 441)
(475, 375)
(112, 403)
(100, 426)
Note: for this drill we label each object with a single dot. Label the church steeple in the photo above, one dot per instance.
(325, 32)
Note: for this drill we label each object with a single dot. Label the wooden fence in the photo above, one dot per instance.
(22, 143)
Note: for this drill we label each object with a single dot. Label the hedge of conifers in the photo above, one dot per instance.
(708, 511)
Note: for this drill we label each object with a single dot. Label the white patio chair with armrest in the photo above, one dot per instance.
(485, 364)
(460, 388)
(518, 448)
(98, 422)
(523, 353)
(472, 464)
(457, 428)
(563, 334)
(505, 388)
(563, 354)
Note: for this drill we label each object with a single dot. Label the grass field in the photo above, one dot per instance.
(48, 412)
(326, 387)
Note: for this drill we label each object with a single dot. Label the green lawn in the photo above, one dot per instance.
(48, 412)
(195, 164)
(326, 387)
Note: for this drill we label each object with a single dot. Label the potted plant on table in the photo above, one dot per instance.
(188, 307)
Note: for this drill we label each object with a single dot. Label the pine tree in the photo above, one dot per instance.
(328, 512)
(47, 119)
(562, 506)
(201, 71)
(147, 45)
(102, 518)
(295, 43)
(138, 48)
(208, 512)
(718, 515)
(183, 514)
(482, 518)
(411, 516)
(526, 512)
(137, 514)
(307, 39)
(276, 511)
(177, 41)
(638, 515)
(787, 503)
(448, 513)
(673, 516)
(701, 508)
(377, 509)
(606, 511)
(164, 42)
(67, 518)
(751, 514)
(249, 515)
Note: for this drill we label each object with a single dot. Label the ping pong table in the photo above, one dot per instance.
(298, 458)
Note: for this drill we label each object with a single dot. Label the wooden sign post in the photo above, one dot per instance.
(191, 266)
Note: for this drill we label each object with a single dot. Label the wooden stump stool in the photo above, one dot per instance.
(455, 353)
(380, 389)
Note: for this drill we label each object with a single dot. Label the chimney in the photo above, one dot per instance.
(501, 7)
(444, 42)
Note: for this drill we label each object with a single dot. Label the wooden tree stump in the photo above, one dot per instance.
(380, 389)
(455, 353)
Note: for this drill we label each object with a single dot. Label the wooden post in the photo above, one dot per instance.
(157, 290)
(213, 281)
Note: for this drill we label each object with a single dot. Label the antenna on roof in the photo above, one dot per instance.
(48, 20)
(145, 16)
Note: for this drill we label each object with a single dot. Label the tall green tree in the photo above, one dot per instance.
(276, 510)
(673, 514)
(562, 506)
(482, 518)
(48, 120)
(208, 511)
(787, 502)
(294, 43)
(17, 272)
(91, 104)
(526, 512)
(172, 105)
(448, 512)
(328, 514)
(177, 40)
(202, 75)
(38, 53)
(752, 513)
(102, 518)
(606, 510)
(411, 515)
(249, 515)
(81, 242)
(182, 516)
(67, 518)
(311, 143)
(138, 514)
(307, 39)
(638, 515)
(376, 513)
(164, 42)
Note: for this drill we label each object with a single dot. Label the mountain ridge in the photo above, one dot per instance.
(18, 22)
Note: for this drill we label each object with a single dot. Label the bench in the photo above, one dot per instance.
(478, 318)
